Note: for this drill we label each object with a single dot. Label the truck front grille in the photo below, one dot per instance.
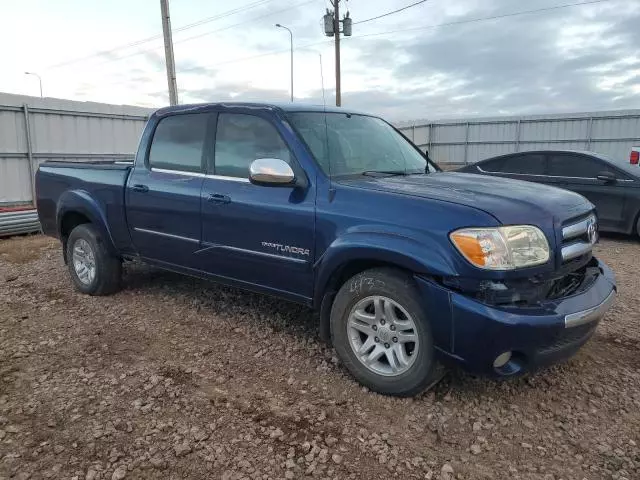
(578, 237)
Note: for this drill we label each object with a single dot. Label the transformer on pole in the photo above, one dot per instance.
(332, 29)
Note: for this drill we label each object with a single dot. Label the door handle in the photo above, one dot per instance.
(218, 198)
(140, 188)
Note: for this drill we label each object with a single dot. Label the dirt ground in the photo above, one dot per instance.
(180, 378)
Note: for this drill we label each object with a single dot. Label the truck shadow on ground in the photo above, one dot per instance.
(216, 298)
(258, 310)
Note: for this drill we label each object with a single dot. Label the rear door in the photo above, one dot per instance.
(579, 173)
(163, 192)
(258, 235)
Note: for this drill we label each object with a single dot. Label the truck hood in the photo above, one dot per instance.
(509, 201)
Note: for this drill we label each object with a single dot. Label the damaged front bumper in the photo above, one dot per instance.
(529, 330)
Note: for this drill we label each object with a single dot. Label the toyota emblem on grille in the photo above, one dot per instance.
(592, 231)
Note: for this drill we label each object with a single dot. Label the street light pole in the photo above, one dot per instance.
(39, 80)
(291, 44)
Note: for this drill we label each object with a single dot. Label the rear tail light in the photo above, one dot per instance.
(634, 158)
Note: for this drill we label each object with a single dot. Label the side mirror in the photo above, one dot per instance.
(606, 177)
(271, 172)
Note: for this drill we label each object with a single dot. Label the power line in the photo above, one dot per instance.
(390, 13)
(204, 34)
(259, 55)
(157, 37)
(222, 15)
(447, 24)
(482, 19)
(139, 52)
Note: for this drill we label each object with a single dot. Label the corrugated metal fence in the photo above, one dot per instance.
(470, 140)
(33, 130)
(22, 221)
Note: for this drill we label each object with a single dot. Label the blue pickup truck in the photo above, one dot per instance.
(409, 267)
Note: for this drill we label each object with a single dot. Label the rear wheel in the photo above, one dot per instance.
(92, 268)
(382, 334)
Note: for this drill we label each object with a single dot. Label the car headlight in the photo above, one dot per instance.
(502, 248)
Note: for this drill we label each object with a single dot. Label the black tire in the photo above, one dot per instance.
(108, 268)
(398, 286)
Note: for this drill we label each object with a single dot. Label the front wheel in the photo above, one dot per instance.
(92, 268)
(381, 332)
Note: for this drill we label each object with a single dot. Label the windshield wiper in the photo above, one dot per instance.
(373, 173)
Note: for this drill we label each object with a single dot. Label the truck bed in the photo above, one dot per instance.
(61, 184)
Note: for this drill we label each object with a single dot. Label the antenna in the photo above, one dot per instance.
(324, 102)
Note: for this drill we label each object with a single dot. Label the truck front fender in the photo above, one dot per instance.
(424, 256)
(81, 202)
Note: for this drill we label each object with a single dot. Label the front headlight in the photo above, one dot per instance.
(502, 248)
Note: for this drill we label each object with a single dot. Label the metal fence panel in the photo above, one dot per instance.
(554, 130)
(449, 153)
(616, 149)
(421, 135)
(470, 140)
(625, 127)
(53, 133)
(448, 133)
(61, 130)
(12, 137)
(498, 132)
(14, 181)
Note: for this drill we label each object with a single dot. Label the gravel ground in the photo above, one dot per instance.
(180, 378)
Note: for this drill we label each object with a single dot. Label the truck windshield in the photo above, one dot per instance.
(348, 144)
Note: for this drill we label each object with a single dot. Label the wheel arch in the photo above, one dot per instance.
(346, 258)
(77, 207)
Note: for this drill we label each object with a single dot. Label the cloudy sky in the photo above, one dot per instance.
(442, 58)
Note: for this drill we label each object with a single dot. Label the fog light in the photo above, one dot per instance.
(502, 359)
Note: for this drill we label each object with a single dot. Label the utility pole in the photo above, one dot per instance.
(332, 29)
(336, 22)
(168, 53)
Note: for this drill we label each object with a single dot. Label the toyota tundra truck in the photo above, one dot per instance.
(409, 268)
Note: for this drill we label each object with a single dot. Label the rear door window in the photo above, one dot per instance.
(577, 166)
(178, 143)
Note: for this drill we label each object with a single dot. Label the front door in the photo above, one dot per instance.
(163, 191)
(579, 173)
(260, 236)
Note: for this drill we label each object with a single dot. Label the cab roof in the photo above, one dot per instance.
(283, 107)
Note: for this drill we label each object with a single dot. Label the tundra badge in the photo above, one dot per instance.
(286, 248)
